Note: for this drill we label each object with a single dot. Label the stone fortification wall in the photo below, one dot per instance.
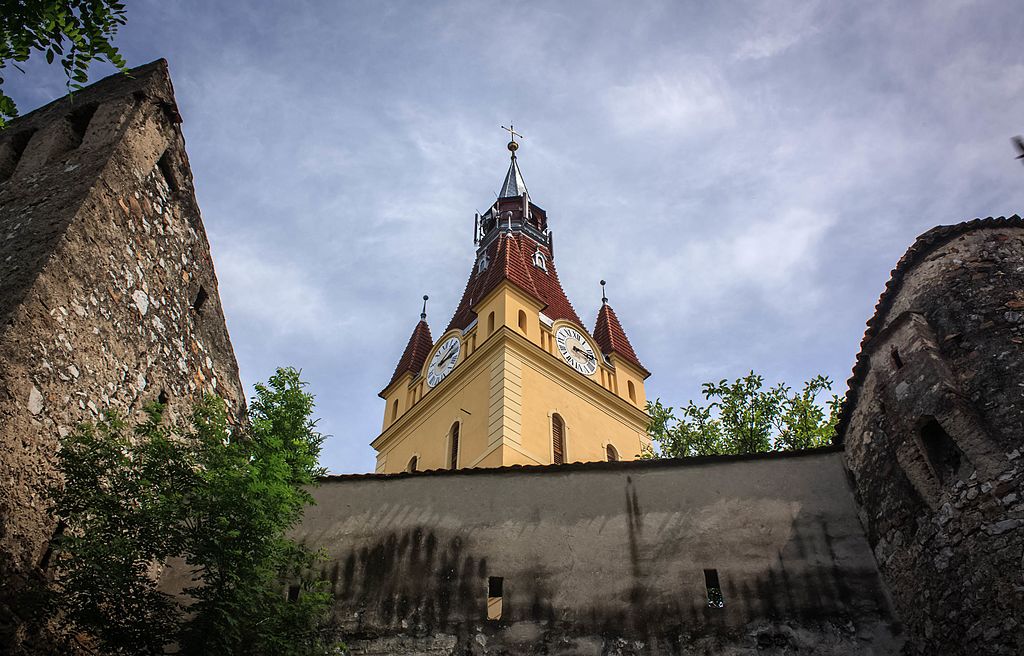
(108, 296)
(934, 430)
(603, 558)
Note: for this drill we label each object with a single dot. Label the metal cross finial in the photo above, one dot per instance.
(423, 314)
(512, 145)
(604, 296)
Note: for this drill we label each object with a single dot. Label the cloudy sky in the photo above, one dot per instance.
(744, 174)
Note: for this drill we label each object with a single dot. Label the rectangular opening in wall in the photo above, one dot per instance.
(897, 361)
(11, 151)
(166, 168)
(79, 121)
(714, 588)
(495, 588)
(943, 454)
(293, 593)
(200, 300)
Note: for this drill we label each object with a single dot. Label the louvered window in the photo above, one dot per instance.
(455, 446)
(557, 440)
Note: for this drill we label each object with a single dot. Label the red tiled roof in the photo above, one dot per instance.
(611, 338)
(511, 258)
(415, 353)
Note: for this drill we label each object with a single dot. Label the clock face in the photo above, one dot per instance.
(444, 361)
(576, 350)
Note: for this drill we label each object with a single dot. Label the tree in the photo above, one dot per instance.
(744, 417)
(219, 499)
(77, 32)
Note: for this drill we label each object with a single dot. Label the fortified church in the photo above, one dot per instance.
(508, 513)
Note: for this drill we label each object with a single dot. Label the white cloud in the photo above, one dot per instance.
(272, 296)
(775, 28)
(685, 102)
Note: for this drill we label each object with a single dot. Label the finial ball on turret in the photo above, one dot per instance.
(513, 146)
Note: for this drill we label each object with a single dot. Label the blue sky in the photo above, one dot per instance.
(744, 174)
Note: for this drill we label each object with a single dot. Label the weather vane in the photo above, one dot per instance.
(512, 145)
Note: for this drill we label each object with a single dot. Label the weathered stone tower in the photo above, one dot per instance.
(108, 296)
(934, 430)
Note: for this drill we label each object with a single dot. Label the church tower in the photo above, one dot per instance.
(515, 378)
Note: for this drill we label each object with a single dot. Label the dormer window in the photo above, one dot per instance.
(483, 262)
(540, 261)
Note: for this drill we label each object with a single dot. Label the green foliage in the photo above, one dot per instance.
(75, 32)
(221, 500)
(744, 417)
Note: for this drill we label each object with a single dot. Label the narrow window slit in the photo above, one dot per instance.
(166, 168)
(715, 599)
(495, 589)
(897, 361)
(200, 300)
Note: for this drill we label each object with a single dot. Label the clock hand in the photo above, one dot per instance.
(589, 356)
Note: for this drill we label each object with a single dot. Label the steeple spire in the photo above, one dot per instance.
(514, 184)
(610, 336)
(416, 350)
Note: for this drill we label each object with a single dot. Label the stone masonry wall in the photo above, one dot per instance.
(934, 432)
(108, 295)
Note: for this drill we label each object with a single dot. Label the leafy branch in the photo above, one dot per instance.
(743, 416)
(74, 32)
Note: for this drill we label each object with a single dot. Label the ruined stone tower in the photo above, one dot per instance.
(108, 296)
(933, 428)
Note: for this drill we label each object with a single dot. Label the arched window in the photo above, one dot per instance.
(490, 324)
(413, 462)
(613, 455)
(522, 321)
(632, 391)
(557, 440)
(539, 261)
(454, 462)
(394, 410)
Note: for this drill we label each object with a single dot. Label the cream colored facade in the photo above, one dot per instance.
(504, 392)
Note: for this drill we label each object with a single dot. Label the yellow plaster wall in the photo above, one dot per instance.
(506, 401)
(457, 398)
(589, 426)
